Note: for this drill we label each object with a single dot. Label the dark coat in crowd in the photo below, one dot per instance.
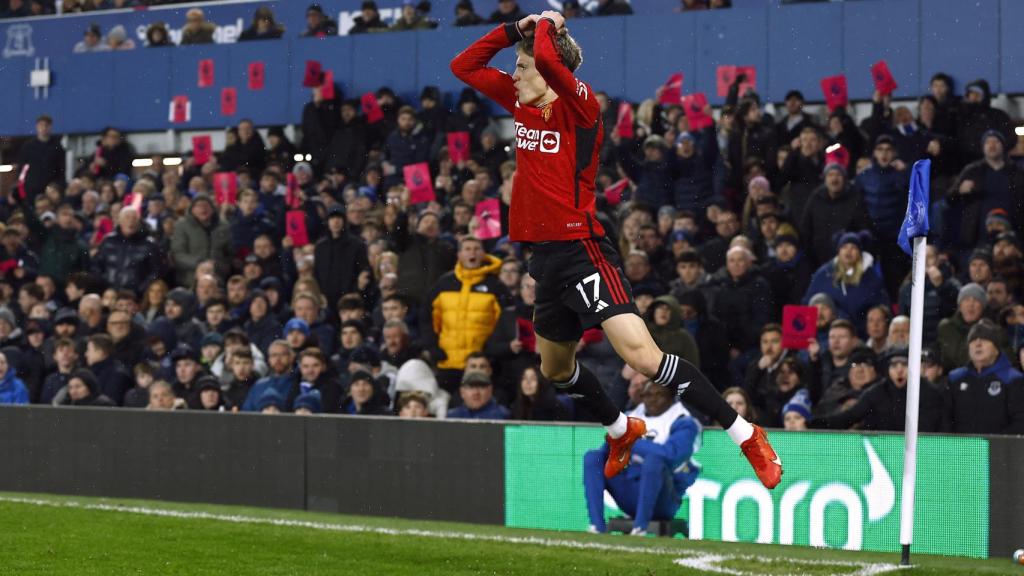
(319, 120)
(420, 263)
(46, 164)
(825, 215)
(987, 402)
(337, 263)
(61, 250)
(128, 262)
(694, 188)
(113, 379)
(654, 179)
(347, 149)
(250, 155)
(965, 224)
(803, 175)
(939, 303)
(711, 336)
(194, 242)
(788, 280)
(118, 160)
(744, 305)
(974, 119)
(884, 193)
(883, 407)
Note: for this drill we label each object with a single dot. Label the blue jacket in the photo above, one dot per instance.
(986, 402)
(280, 384)
(885, 193)
(678, 450)
(12, 389)
(853, 301)
(490, 411)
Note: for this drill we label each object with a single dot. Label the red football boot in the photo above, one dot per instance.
(762, 458)
(620, 448)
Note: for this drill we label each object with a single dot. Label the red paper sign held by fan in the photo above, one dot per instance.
(202, 149)
(313, 75)
(837, 154)
(295, 223)
(726, 74)
(624, 124)
(371, 108)
(257, 75)
(799, 326)
(613, 193)
(205, 73)
(292, 199)
(417, 180)
(882, 77)
(672, 91)
(327, 88)
(225, 188)
(458, 146)
(181, 110)
(834, 89)
(696, 116)
(488, 217)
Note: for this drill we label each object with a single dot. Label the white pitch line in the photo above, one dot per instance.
(696, 560)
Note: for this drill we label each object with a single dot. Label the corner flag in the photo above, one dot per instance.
(915, 223)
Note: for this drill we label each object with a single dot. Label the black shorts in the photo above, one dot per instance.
(580, 284)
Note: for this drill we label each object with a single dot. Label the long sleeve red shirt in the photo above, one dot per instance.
(556, 146)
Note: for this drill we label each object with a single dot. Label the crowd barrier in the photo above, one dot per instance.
(792, 46)
(839, 489)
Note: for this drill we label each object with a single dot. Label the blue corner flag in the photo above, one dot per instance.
(915, 223)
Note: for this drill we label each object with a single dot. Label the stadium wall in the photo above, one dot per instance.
(792, 46)
(840, 489)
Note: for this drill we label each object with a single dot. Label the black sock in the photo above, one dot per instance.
(695, 388)
(584, 387)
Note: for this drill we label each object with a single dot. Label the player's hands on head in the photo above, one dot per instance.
(555, 17)
(528, 23)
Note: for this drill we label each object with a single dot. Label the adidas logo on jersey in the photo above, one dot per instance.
(601, 305)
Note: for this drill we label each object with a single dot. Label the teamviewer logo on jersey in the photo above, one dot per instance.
(550, 141)
(546, 141)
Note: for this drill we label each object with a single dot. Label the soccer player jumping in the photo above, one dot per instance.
(580, 283)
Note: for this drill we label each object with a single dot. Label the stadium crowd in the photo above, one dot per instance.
(320, 286)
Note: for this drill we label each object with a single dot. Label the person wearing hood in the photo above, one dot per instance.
(339, 258)
(368, 21)
(977, 117)
(179, 309)
(117, 39)
(833, 206)
(156, 36)
(664, 321)
(83, 390)
(986, 395)
(852, 279)
(988, 184)
(262, 325)
(199, 236)
(263, 27)
(12, 389)
(462, 310)
(415, 376)
(211, 398)
(128, 258)
(952, 334)
(465, 15)
(365, 397)
(883, 405)
(61, 250)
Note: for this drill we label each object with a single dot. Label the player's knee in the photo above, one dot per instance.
(593, 458)
(644, 359)
(556, 372)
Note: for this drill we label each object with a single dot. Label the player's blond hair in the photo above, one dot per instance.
(568, 49)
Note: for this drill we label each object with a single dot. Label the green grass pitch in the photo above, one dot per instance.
(42, 534)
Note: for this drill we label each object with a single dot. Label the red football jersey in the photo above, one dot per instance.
(556, 146)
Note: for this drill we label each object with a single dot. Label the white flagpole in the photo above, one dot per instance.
(913, 399)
